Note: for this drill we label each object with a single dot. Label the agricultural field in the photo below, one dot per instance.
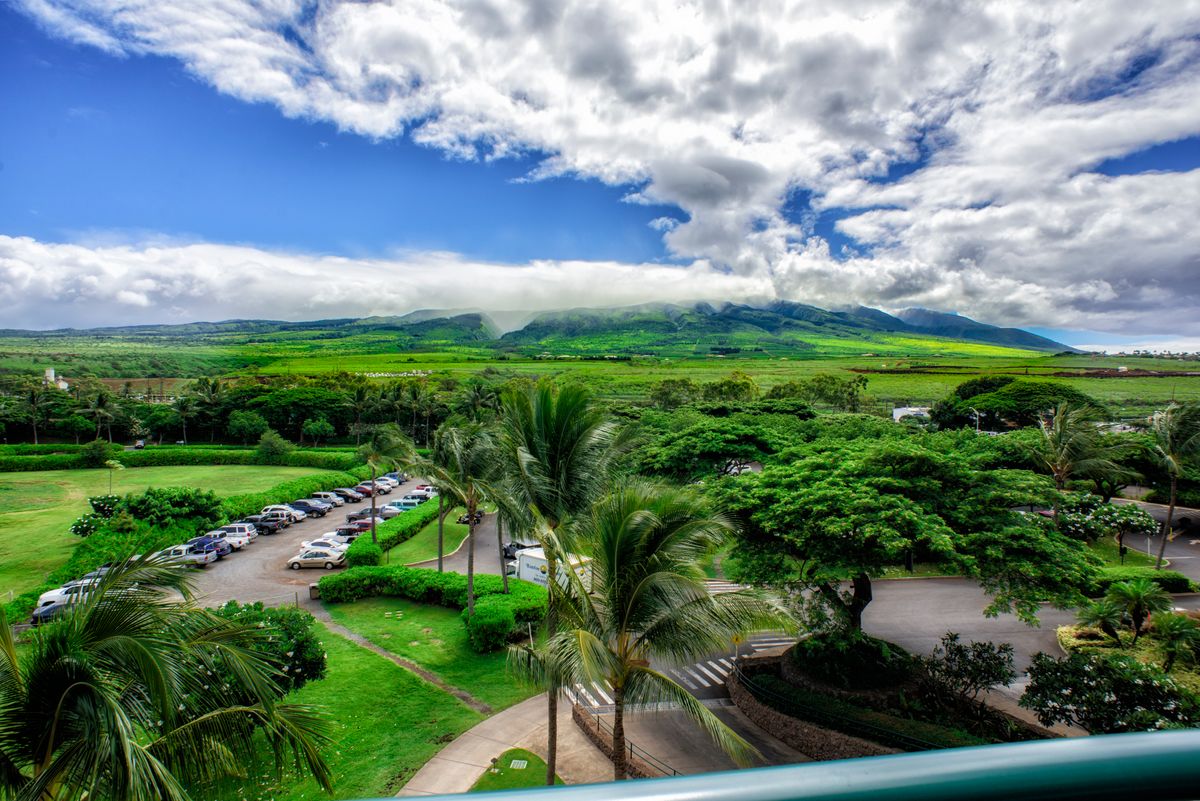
(37, 508)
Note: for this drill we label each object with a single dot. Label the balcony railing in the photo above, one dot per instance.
(1160, 766)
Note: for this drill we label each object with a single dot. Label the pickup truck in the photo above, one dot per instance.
(187, 555)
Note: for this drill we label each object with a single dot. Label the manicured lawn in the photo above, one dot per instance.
(385, 724)
(37, 508)
(506, 777)
(435, 638)
(422, 546)
(1109, 551)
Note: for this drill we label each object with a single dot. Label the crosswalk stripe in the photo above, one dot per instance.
(726, 663)
(590, 700)
(703, 681)
(686, 681)
(599, 688)
(701, 668)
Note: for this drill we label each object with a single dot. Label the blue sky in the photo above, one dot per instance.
(1031, 163)
(113, 147)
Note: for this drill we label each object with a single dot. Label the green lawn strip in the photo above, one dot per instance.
(385, 723)
(37, 508)
(1108, 550)
(435, 638)
(1148, 651)
(422, 546)
(505, 777)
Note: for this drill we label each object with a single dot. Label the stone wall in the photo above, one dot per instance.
(603, 740)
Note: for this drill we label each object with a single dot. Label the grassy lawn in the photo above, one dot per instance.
(385, 724)
(37, 508)
(1147, 651)
(506, 777)
(435, 638)
(423, 545)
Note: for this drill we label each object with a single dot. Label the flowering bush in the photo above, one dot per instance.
(1106, 694)
(86, 526)
(290, 640)
(105, 505)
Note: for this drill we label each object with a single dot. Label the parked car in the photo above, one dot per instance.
(397, 476)
(66, 594)
(310, 508)
(384, 486)
(331, 498)
(404, 504)
(353, 529)
(388, 512)
(348, 494)
(248, 529)
(282, 518)
(365, 490)
(139, 444)
(386, 479)
(510, 549)
(365, 514)
(221, 547)
(237, 541)
(317, 557)
(44, 614)
(415, 498)
(466, 519)
(426, 493)
(333, 543)
(261, 524)
(295, 514)
(187, 555)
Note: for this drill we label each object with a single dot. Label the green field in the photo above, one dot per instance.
(37, 508)
(435, 638)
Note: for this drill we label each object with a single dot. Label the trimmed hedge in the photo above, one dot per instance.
(236, 506)
(28, 449)
(390, 533)
(849, 718)
(1169, 580)
(58, 459)
(498, 617)
(25, 464)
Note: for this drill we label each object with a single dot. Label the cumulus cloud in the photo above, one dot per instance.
(45, 285)
(728, 111)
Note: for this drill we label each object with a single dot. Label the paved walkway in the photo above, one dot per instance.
(460, 764)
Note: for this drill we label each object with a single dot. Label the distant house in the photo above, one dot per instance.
(900, 412)
(51, 380)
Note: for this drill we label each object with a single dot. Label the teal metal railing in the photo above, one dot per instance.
(1159, 766)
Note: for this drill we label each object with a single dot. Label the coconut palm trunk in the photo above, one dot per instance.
(374, 492)
(620, 755)
(471, 558)
(441, 532)
(500, 547)
(1166, 531)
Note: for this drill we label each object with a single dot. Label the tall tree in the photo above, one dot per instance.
(1175, 442)
(1072, 444)
(360, 401)
(185, 408)
(111, 700)
(386, 448)
(101, 410)
(559, 454)
(209, 396)
(1139, 598)
(645, 602)
(37, 403)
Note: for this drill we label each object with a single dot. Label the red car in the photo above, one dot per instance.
(366, 490)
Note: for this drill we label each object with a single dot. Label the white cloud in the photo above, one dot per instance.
(726, 109)
(44, 285)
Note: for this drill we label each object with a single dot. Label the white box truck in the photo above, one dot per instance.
(531, 566)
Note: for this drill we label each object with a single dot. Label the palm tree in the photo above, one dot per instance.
(386, 448)
(646, 601)
(209, 395)
(360, 402)
(1139, 598)
(1104, 614)
(1179, 635)
(37, 400)
(415, 398)
(100, 410)
(1175, 437)
(559, 454)
(464, 469)
(1072, 444)
(185, 409)
(112, 700)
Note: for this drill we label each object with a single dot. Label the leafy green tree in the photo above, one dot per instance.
(96, 453)
(1139, 598)
(1072, 444)
(273, 448)
(1175, 438)
(845, 394)
(75, 425)
(645, 601)
(847, 512)
(1106, 694)
(386, 448)
(558, 451)
(964, 670)
(113, 700)
(671, 393)
(1179, 636)
(737, 386)
(159, 418)
(718, 446)
(246, 425)
(1105, 614)
(317, 430)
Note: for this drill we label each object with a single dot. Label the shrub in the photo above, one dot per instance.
(525, 602)
(390, 533)
(1169, 580)
(96, 453)
(160, 506)
(1106, 694)
(292, 643)
(86, 525)
(54, 461)
(272, 448)
(105, 505)
(853, 661)
(965, 670)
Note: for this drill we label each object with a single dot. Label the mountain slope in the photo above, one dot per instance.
(955, 326)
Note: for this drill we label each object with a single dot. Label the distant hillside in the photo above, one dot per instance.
(955, 326)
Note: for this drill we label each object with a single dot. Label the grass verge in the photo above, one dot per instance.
(422, 546)
(507, 777)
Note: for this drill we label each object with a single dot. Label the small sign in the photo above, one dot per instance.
(519, 764)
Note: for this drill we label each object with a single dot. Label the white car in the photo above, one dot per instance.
(391, 482)
(334, 543)
(294, 514)
(245, 529)
(317, 557)
(388, 512)
(404, 504)
(236, 541)
(67, 594)
(187, 555)
(331, 498)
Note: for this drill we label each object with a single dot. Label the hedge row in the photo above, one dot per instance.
(843, 716)
(236, 506)
(362, 552)
(498, 616)
(170, 457)
(1169, 580)
(29, 449)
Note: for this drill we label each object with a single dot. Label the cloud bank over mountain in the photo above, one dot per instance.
(950, 155)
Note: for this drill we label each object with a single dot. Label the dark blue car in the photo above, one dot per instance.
(211, 544)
